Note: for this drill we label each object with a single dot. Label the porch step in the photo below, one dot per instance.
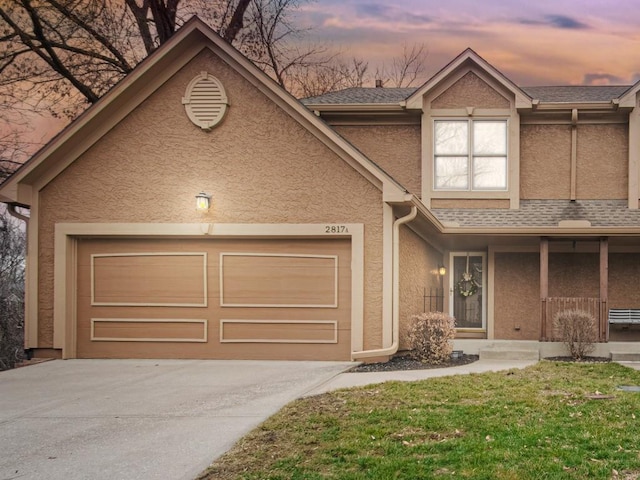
(625, 356)
(508, 353)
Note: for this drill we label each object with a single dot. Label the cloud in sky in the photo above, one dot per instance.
(557, 21)
(602, 79)
(533, 43)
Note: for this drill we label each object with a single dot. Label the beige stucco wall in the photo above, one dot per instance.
(470, 91)
(517, 296)
(603, 161)
(574, 275)
(395, 148)
(545, 161)
(601, 166)
(468, 203)
(260, 165)
(624, 274)
(419, 263)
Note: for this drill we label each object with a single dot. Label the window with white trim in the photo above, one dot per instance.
(470, 155)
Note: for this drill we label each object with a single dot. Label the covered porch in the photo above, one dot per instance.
(597, 307)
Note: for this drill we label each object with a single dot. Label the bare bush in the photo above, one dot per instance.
(429, 336)
(577, 329)
(12, 250)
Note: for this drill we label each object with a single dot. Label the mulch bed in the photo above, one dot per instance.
(583, 360)
(405, 362)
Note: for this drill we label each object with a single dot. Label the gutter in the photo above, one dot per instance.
(395, 316)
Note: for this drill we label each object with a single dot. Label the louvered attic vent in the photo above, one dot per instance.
(205, 101)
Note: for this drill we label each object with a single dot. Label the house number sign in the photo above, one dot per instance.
(336, 229)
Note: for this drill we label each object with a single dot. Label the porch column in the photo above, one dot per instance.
(603, 331)
(544, 286)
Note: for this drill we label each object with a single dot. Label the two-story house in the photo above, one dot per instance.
(200, 211)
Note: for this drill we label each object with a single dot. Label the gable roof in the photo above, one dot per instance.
(522, 100)
(193, 37)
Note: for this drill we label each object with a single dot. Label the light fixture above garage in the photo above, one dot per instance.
(203, 202)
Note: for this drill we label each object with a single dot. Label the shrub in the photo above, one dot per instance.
(577, 329)
(429, 336)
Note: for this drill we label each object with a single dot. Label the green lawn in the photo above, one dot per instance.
(551, 421)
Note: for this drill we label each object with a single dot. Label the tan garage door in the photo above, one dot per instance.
(219, 299)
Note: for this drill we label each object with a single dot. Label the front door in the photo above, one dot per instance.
(467, 296)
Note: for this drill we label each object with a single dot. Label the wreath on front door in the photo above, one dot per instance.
(467, 286)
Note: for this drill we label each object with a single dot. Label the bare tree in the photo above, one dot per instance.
(406, 69)
(335, 74)
(12, 250)
(62, 55)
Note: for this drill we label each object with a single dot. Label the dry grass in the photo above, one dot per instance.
(554, 421)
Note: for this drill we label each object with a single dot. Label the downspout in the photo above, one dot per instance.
(11, 208)
(395, 316)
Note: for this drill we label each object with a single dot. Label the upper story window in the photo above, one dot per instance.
(470, 155)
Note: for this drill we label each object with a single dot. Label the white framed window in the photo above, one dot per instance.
(470, 155)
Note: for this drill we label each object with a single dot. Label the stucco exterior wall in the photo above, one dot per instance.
(468, 203)
(259, 164)
(603, 162)
(470, 91)
(624, 272)
(545, 161)
(395, 148)
(574, 275)
(517, 296)
(419, 263)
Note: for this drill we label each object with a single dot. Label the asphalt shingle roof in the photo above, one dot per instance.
(577, 93)
(361, 95)
(544, 213)
(552, 94)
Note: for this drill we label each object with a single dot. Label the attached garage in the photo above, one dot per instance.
(238, 298)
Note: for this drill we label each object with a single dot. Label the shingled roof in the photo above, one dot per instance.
(543, 213)
(361, 95)
(550, 94)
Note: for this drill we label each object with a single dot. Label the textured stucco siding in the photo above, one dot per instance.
(624, 272)
(260, 166)
(419, 263)
(395, 148)
(601, 166)
(470, 91)
(517, 296)
(468, 203)
(545, 161)
(603, 162)
(574, 275)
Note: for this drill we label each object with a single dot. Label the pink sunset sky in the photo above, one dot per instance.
(535, 42)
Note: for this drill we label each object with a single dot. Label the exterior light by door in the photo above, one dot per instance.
(203, 202)
(442, 271)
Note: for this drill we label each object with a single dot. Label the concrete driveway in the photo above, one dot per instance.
(142, 419)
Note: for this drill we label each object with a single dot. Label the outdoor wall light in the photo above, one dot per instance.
(442, 271)
(203, 202)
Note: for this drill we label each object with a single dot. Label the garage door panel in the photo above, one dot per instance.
(148, 329)
(278, 331)
(278, 280)
(171, 279)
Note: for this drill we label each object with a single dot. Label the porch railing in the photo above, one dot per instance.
(552, 305)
